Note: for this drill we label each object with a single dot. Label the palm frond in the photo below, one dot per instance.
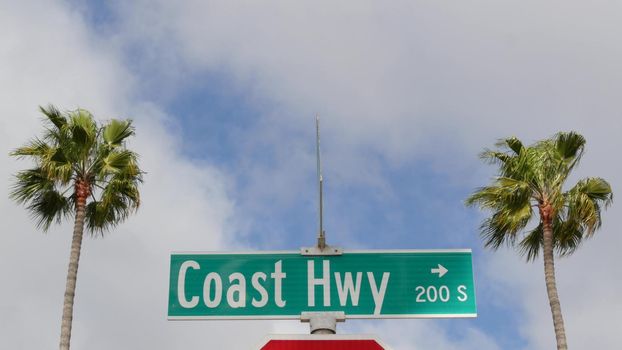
(531, 244)
(506, 192)
(118, 199)
(36, 148)
(54, 116)
(570, 145)
(83, 131)
(515, 145)
(504, 225)
(585, 200)
(45, 203)
(48, 207)
(47, 157)
(117, 161)
(494, 157)
(28, 183)
(568, 235)
(116, 131)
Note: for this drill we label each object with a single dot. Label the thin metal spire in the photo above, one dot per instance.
(321, 240)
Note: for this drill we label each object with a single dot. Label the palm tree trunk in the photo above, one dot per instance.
(72, 273)
(551, 285)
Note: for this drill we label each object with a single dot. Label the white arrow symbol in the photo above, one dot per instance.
(441, 271)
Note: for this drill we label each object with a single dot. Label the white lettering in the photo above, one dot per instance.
(348, 287)
(378, 295)
(421, 291)
(278, 275)
(443, 293)
(207, 284)
(431, 293)
(181, 285)
(262, 291)
(463, 296)
(239, 288)
(312, 282)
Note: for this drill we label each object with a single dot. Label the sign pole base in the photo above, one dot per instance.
(323, 322)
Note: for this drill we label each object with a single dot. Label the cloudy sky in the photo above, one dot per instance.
(224, 94)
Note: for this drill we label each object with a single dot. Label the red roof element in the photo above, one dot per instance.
(309, 344)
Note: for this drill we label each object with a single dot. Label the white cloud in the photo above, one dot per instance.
(426, 334)
(49, 55)
(436, 80)
(411, 76)
(393, 83)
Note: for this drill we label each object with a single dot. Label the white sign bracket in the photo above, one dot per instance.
(323, 322)
(328, 250)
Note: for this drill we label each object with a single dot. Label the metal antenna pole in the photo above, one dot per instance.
(321, 248)
(321, 240)
(321, 322)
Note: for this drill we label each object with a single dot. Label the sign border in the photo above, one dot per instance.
(297, 317)
(345, 251)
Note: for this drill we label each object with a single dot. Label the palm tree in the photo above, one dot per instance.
(532, 178)
(81, 170)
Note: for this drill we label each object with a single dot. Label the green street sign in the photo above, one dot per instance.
(282, 285)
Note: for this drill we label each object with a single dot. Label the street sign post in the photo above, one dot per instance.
(283, 285)
(322, 342)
